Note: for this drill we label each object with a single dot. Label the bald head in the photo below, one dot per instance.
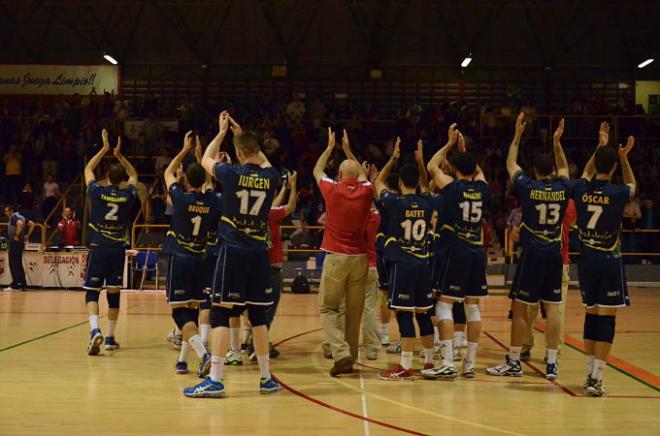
(349, 169)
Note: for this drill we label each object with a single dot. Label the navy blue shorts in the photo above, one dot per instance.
(410, 286)
(105, 267)
(437, 267)
(211, 262)
(382, 266)
(464, 275)
(242, 277)
(187, 277)
(603, 282)
(537, 277)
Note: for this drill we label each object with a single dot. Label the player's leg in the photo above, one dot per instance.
(403, 370)
(605, 327)
(528, 338)
(550, 284)
(565, 281)
(370, 338)
(113, 295)
(384, 310)
(205, 322)
(258, 319)
(234, 356)
(276, 285)
(443, 314)
(458, 313)
(115, 260)
(552, 339)
(94, 280)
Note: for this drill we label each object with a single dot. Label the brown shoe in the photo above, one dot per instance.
(342, 366)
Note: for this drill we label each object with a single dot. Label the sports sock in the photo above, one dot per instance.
(204, 330)
(111, 327)
(246, 334)
(447, 351)
(597, 372)
(428, 355)
(196, 343)
(217, 368)
(93, 322)
(264, 366)
(177, 331)
(590, 364)
(234, 338)
(406, 359)
(458, 339)
(514, 353)
(471, 351)
(384, 329)
(552, 356)
(436, 335)
(183, 354)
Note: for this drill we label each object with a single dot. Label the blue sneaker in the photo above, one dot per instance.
(268, 386)
(95, 341)
(110, 343)
(204, 366)
(181, 367)
(551, 371)
(206, 389)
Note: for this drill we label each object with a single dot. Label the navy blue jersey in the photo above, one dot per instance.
(465, 202)
(248, 193)
(382, 227)
(409, 221)
(543, 205)
(110, 214)
(212, 238)
(437, 244)
(599, 205)
(192, 219)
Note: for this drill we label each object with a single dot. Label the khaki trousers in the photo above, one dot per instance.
(343, 278)
(370, 338)
(533, 310)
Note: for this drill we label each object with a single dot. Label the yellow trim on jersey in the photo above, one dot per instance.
(420, 256)
(448, 227)
(233, 224)
(479, 242)
(93, 227)
(540, 236)
(390, 240)
(184, 245)
(228, 221)
(612, 248)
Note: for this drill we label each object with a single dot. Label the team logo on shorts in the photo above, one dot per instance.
(404, 297)
(556, 291)
(269, 291)
(613, 293)
(179, 292)
(233, 295)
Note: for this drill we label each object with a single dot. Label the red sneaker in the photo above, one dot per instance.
(397, 373)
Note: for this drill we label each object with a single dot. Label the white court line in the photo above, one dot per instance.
(364, 399)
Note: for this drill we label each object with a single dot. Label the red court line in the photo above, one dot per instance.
(636, 372)
(535, 369)
(331, 407)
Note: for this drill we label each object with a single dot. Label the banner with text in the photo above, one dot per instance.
(58, 79)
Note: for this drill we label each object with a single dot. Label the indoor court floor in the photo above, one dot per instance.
(48, 384)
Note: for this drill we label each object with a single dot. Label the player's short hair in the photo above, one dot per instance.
(115, 174)
(605, 159)
(248, 142)
(409, 175)
(543, 163)
(195, 175)
(392, 181)
(465, 163)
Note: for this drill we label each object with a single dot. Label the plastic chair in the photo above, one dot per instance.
(146, 262)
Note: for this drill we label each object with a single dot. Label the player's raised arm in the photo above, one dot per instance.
(380, 182)
(199, 155)
(512, 166)
(626, 169)
(561, 163)
(603, 139)
(279, 199)
(319, 168)
(210, 154)
(434, 166)
(293, 194)
(171, 170)
(346, 146)
(97, 158)
(128, 167)
(423, 175)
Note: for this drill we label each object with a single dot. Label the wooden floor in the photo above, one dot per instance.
(48, 385)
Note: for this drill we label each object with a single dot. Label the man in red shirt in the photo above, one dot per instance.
(570, 217)
(69, 226)
(344, 277)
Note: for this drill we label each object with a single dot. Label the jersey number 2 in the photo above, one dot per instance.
(112, 213)
(245, 195)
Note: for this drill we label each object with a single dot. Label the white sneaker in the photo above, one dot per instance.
(234, 358)
(8, 289)
(510, 368)
(468, 369)
(442, 371)
(394, 347)
(385, 339)
(437, 351)
(457, 354)
(174, 339)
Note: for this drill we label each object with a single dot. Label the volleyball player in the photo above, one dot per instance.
(242, 276)
(465, 199)
(109, 220)
(600, 204)
(538, 276)
(185, 246)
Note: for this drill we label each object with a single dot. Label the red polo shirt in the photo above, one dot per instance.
(347, 205)
(372, 231)
(275, 215)
(70, 230)
(570, 216)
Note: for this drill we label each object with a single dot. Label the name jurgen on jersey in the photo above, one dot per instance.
(196, 208)
(595, 199)
(254, 182)
(111, 199)
(537, 194)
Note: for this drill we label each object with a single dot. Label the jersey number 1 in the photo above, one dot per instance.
(245, 195)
